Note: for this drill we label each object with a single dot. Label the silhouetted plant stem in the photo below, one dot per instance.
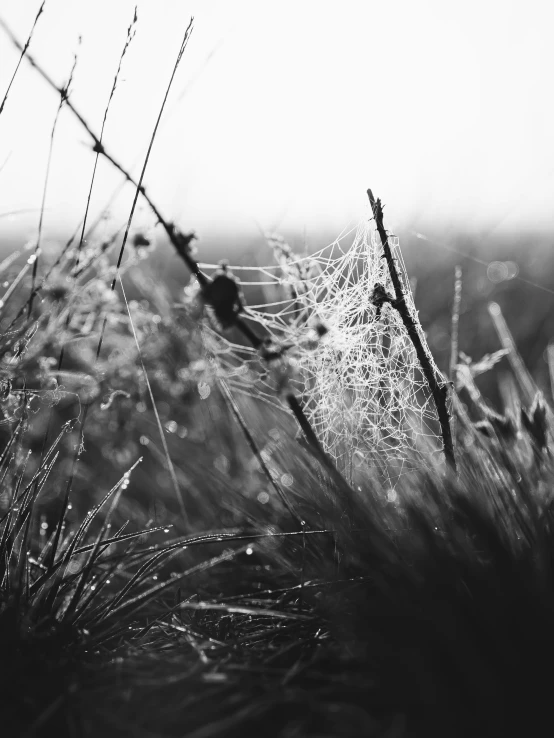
(235, 410)
(455, 334)
(313, 441)
(437, 386)
(129, 39)
(523, 377)
(455, 322)
(63, 98)
(23, 51)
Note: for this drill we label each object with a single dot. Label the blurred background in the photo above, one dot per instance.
(282, 114)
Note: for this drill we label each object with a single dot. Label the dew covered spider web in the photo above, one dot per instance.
(361, 384)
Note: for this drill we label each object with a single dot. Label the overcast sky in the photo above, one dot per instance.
(285, 112)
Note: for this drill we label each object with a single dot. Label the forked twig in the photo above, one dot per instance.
(435, 382)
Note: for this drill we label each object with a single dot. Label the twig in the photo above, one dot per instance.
(63, 98)
(455, 334)
(313, 441)
(235, 410)
(130, 35)
(436, 384)
(550, 358)
(526, 383)
(455, 324)
(23, 51)
(170, 466)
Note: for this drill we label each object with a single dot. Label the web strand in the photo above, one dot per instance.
(361, 384)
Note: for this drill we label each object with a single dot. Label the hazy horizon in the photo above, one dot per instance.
(283, 115)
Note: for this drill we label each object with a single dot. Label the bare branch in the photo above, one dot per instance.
(436, 384)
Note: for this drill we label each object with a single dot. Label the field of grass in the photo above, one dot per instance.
(182, 553)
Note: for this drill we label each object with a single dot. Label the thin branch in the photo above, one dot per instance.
(550, 359)
(455, 334)
(435, 382)
(23, 50)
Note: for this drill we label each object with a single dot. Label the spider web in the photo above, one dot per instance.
(361, 384)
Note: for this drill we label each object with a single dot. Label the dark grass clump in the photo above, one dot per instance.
(73, 596)
(423, 610)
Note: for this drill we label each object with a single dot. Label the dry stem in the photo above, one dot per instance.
(437, 386)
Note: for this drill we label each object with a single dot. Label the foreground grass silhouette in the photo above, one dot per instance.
(419, 610)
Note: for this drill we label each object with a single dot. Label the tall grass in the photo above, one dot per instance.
(192, 562)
